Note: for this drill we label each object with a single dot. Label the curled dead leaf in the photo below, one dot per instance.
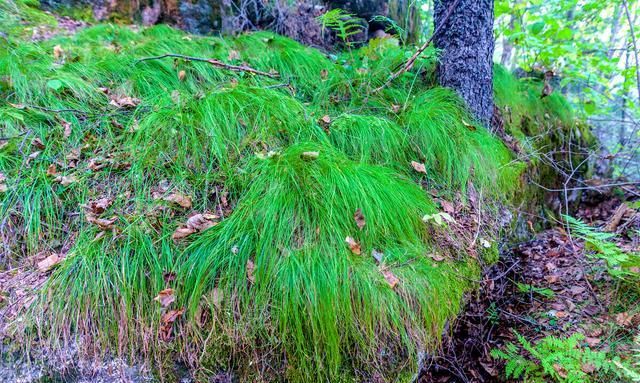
(310, 155)
(49, 262)
(165, 297)
(419, 167)
(353, 245)
(96, 164)
(179, 199)
(182, 75)
(359, 218)
(166, 324)
(99, 206)
(102, 223)
(37, 143)
(58, 52)
(195, 223)
(123, 101)
(67, 128)
(325, 120)
(250, 270)
(391, 279)
(233, 55)
(52, 170)
(66, 180)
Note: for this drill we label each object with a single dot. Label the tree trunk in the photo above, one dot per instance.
(466, 43)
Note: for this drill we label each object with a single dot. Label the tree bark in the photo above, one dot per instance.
(466, 60)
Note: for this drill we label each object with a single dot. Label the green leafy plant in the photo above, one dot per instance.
(528, 289)
(620, 263)
(344, 24)
(556, 359)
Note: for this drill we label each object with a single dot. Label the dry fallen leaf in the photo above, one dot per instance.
(167, 319)
(67, 128)
(325, 120)
(592, 341)
(353, 245)
(196, 223)
(233, 55)
(447, 206)
(52, 170)
(182, 75)
(38, 143)
(310, 155)
(419, 167)
(165, 297)
(377, 255)
(324, 74)
(588, 368)
(124, 101)
(49, 262)
(58, 52)
(250, 269)
(391, 279)
(99, 206)
(624, 319)
(96, 164)
(102, 223)
(359, 218)
(66, 180)
(436, 257)
(179, 199)
(182, 232)
(560, 370)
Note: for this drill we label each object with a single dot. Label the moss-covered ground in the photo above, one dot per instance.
(268, 225)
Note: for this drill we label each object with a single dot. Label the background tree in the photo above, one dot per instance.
(465, 37)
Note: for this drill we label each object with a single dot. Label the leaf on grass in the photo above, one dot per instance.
(66, 180)
(324, 74)
(419, 167)
(310, 155)
(38, 143)
(58, 52)
(377, 255)
(49, 262)
(391, 279)
(166, 324)
(3, 184)
(353, 245)
(96, 164)
(182, 75)
(99, 206)
(123, 101)
(165, 297)
(325, 120)
(436, 257)
(52, 170)
(179, 199)
(102, 223)
(195, 223)
(359, 218)
(250, 269)
(233, 55)
(67, 128)
(469, 126)
(447, 206)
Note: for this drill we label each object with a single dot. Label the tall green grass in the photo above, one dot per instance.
(291, 184)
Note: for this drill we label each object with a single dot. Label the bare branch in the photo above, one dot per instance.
(215, 63)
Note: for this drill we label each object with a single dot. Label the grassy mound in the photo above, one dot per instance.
(105, 158)
(279, 268)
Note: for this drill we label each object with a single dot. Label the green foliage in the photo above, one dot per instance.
(556, 359)
(620, 263)
(344, 24)
(529, 289)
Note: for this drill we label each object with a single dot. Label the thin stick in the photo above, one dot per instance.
(409, 64)
(215, 63)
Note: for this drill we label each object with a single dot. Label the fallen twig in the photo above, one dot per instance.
(215, 63)
(409, 64)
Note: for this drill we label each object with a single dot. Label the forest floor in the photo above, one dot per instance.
(550, 286)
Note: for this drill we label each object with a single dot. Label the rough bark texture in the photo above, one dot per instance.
(466, 61)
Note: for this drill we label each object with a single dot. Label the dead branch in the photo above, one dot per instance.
(215, 63)
(409, 64)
